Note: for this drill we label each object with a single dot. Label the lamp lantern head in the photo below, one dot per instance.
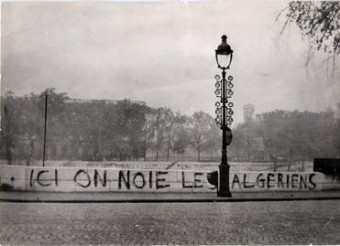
(224, 54)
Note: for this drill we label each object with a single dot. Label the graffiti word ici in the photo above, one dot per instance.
(282, 181)
(119, 179)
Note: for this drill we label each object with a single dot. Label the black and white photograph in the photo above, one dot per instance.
(170, 122)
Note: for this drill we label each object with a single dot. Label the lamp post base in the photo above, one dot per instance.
(223, 184)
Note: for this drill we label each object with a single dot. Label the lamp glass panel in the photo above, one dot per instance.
(223, 60)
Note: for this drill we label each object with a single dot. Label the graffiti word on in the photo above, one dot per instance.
(83, 179)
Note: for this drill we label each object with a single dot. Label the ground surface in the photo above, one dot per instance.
(284, 222)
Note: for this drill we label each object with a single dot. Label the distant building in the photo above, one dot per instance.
(248, 112)
(259, 117)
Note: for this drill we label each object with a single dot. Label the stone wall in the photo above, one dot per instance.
(77, 179)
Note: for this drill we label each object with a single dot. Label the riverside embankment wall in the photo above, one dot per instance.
(76, 179)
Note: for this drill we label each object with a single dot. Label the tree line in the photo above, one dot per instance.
(288, 136)
(102, 130)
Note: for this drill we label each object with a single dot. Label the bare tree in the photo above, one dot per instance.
(319, 22)
(202, 128)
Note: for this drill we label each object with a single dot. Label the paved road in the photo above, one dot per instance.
(285, 222)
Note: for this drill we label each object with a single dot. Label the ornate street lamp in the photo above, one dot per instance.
(224, 112)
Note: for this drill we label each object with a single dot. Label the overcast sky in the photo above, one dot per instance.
(161, 53)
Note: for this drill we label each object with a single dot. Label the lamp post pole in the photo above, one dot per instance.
(45, 128)
(224, 159)
(224, 113)
(224, 167)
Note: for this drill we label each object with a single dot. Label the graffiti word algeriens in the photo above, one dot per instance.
(273, 180)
